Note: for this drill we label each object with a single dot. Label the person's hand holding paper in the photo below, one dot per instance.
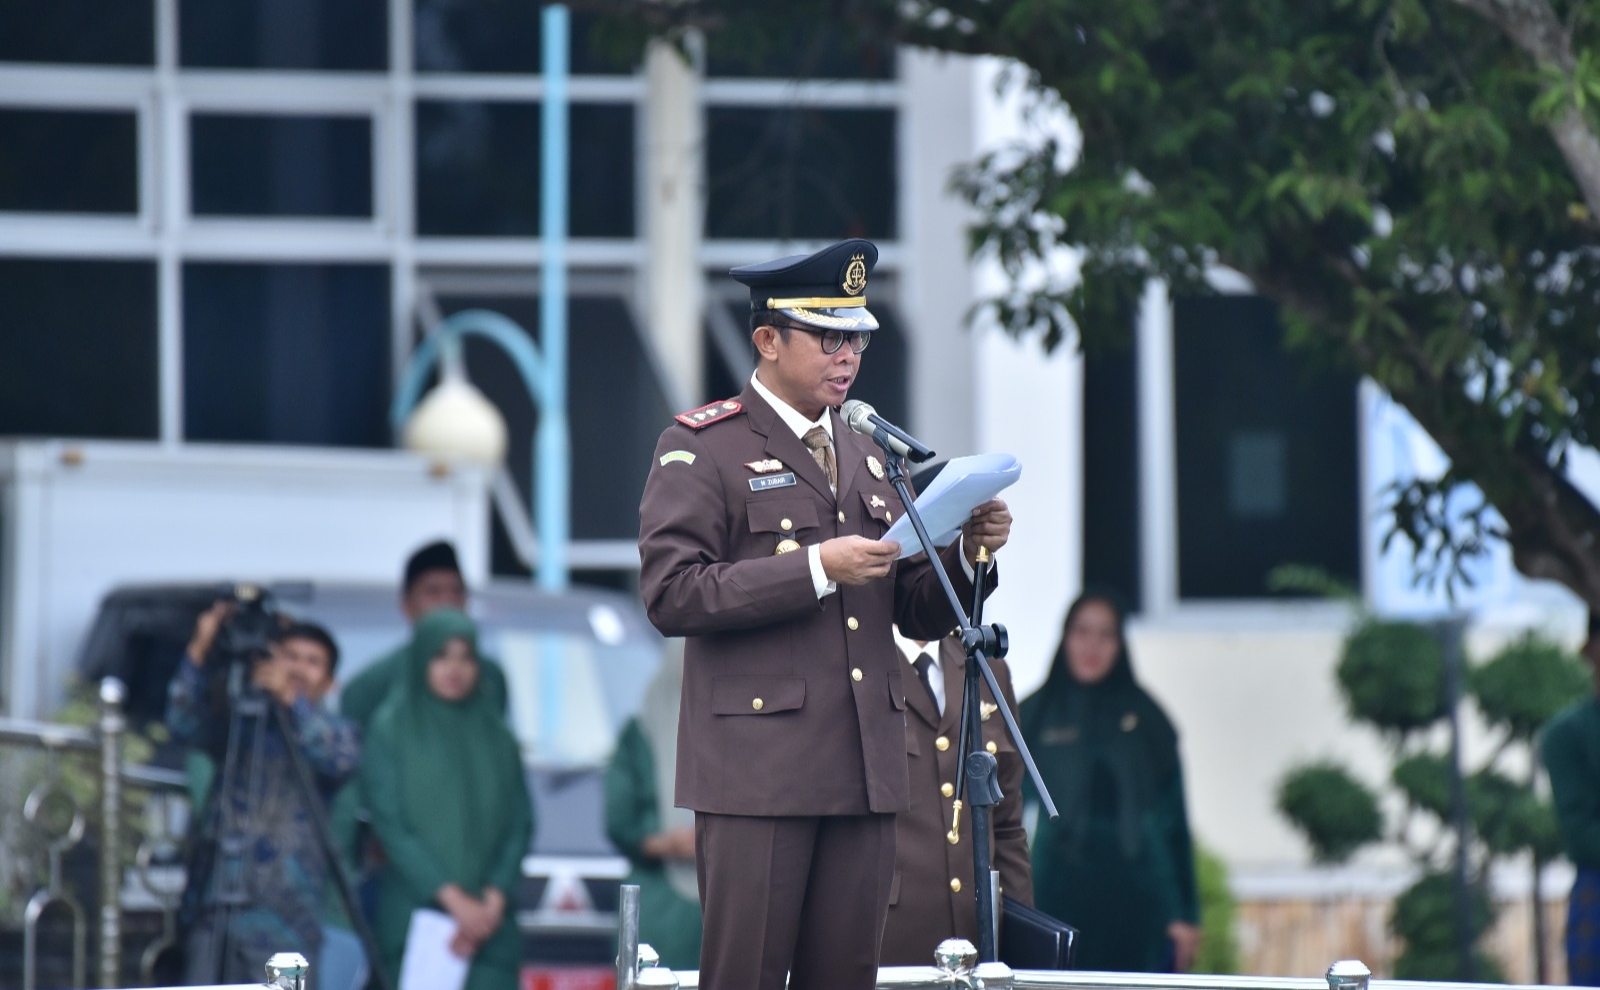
(988, 527)
(963, 485)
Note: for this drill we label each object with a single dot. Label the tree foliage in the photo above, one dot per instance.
(1334, 811)
(1416, 184)
(1392, 676)
(1524, 685)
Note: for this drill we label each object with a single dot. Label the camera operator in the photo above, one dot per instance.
(282, 862)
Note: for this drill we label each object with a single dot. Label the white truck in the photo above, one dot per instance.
(79, 518)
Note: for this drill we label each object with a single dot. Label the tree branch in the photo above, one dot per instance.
(1532, 25)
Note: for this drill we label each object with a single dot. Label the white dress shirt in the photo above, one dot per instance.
(914, 651)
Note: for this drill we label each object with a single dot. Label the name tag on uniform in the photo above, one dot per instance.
(773, 481)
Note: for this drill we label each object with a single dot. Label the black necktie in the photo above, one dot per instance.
(924, 664)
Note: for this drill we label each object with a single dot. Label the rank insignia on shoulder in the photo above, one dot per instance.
(681, 456)
(767, 466)
(875, 467)
(714, 412)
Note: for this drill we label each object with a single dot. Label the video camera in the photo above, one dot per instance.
(248, 632)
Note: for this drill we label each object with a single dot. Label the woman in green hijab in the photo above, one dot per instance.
(643, 824)
(443, 779)
(1119, 863)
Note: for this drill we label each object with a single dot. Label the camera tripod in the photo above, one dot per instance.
(221, 855)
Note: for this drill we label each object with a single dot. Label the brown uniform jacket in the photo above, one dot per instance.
(791, 705)
(924, 909)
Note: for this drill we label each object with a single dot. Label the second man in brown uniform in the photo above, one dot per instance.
(932, 896)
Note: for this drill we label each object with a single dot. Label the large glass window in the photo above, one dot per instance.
(286, 353)
(1111, 493)
(81, 32)
(504, 36)
(79, 346)
(800, 173)
(258, 165)
(69, 161)
(283, 34)
(1266, 453)
(478, 169)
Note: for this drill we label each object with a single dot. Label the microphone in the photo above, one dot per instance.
(864, 419)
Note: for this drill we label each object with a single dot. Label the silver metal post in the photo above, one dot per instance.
(112, 725)
(994, 898)
(1349, 974)
(287, 971)
(628, 937)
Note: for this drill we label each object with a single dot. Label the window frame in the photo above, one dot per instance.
(165, 95)
(1158, 487)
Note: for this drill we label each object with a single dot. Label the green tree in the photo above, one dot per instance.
(1415, 183)
(1392, 678)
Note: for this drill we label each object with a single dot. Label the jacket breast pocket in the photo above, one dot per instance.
(781, 515)
(880, 509)
(757, 695)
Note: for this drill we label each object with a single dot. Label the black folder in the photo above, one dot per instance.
(1031, 939)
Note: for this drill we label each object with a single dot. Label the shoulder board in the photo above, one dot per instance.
(697, 419)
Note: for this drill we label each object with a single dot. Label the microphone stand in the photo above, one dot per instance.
(978, 779)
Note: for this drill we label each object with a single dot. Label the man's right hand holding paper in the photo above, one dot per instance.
(855, 560)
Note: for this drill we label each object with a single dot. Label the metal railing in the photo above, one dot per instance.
(57, 818)
(638, 968)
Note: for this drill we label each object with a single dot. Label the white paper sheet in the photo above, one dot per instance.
(428, 963)
(963, 485)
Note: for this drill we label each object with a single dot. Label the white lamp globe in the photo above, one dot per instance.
(458, 422)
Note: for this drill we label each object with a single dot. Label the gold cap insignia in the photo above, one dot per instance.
(875, 466)
(854, 282)
(786, 546)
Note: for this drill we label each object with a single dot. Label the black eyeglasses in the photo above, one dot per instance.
(832, 340)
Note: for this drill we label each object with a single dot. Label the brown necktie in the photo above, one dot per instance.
(817, 439)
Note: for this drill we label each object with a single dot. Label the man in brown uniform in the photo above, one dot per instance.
(760, 540)
(932, 896)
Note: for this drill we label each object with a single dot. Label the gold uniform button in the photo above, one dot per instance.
(841, 515)
(955, 884)
(948, 790)
(852, 623)
(756, 704)
(942, 743)
(855, 674)
(786, 524)
(992, 748)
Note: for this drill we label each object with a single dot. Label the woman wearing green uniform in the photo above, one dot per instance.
(1119, 863)
(443, 779)
(643, 824)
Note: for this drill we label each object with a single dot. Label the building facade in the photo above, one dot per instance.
(229, 221)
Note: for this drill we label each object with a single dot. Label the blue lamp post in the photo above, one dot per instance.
(544, 374)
